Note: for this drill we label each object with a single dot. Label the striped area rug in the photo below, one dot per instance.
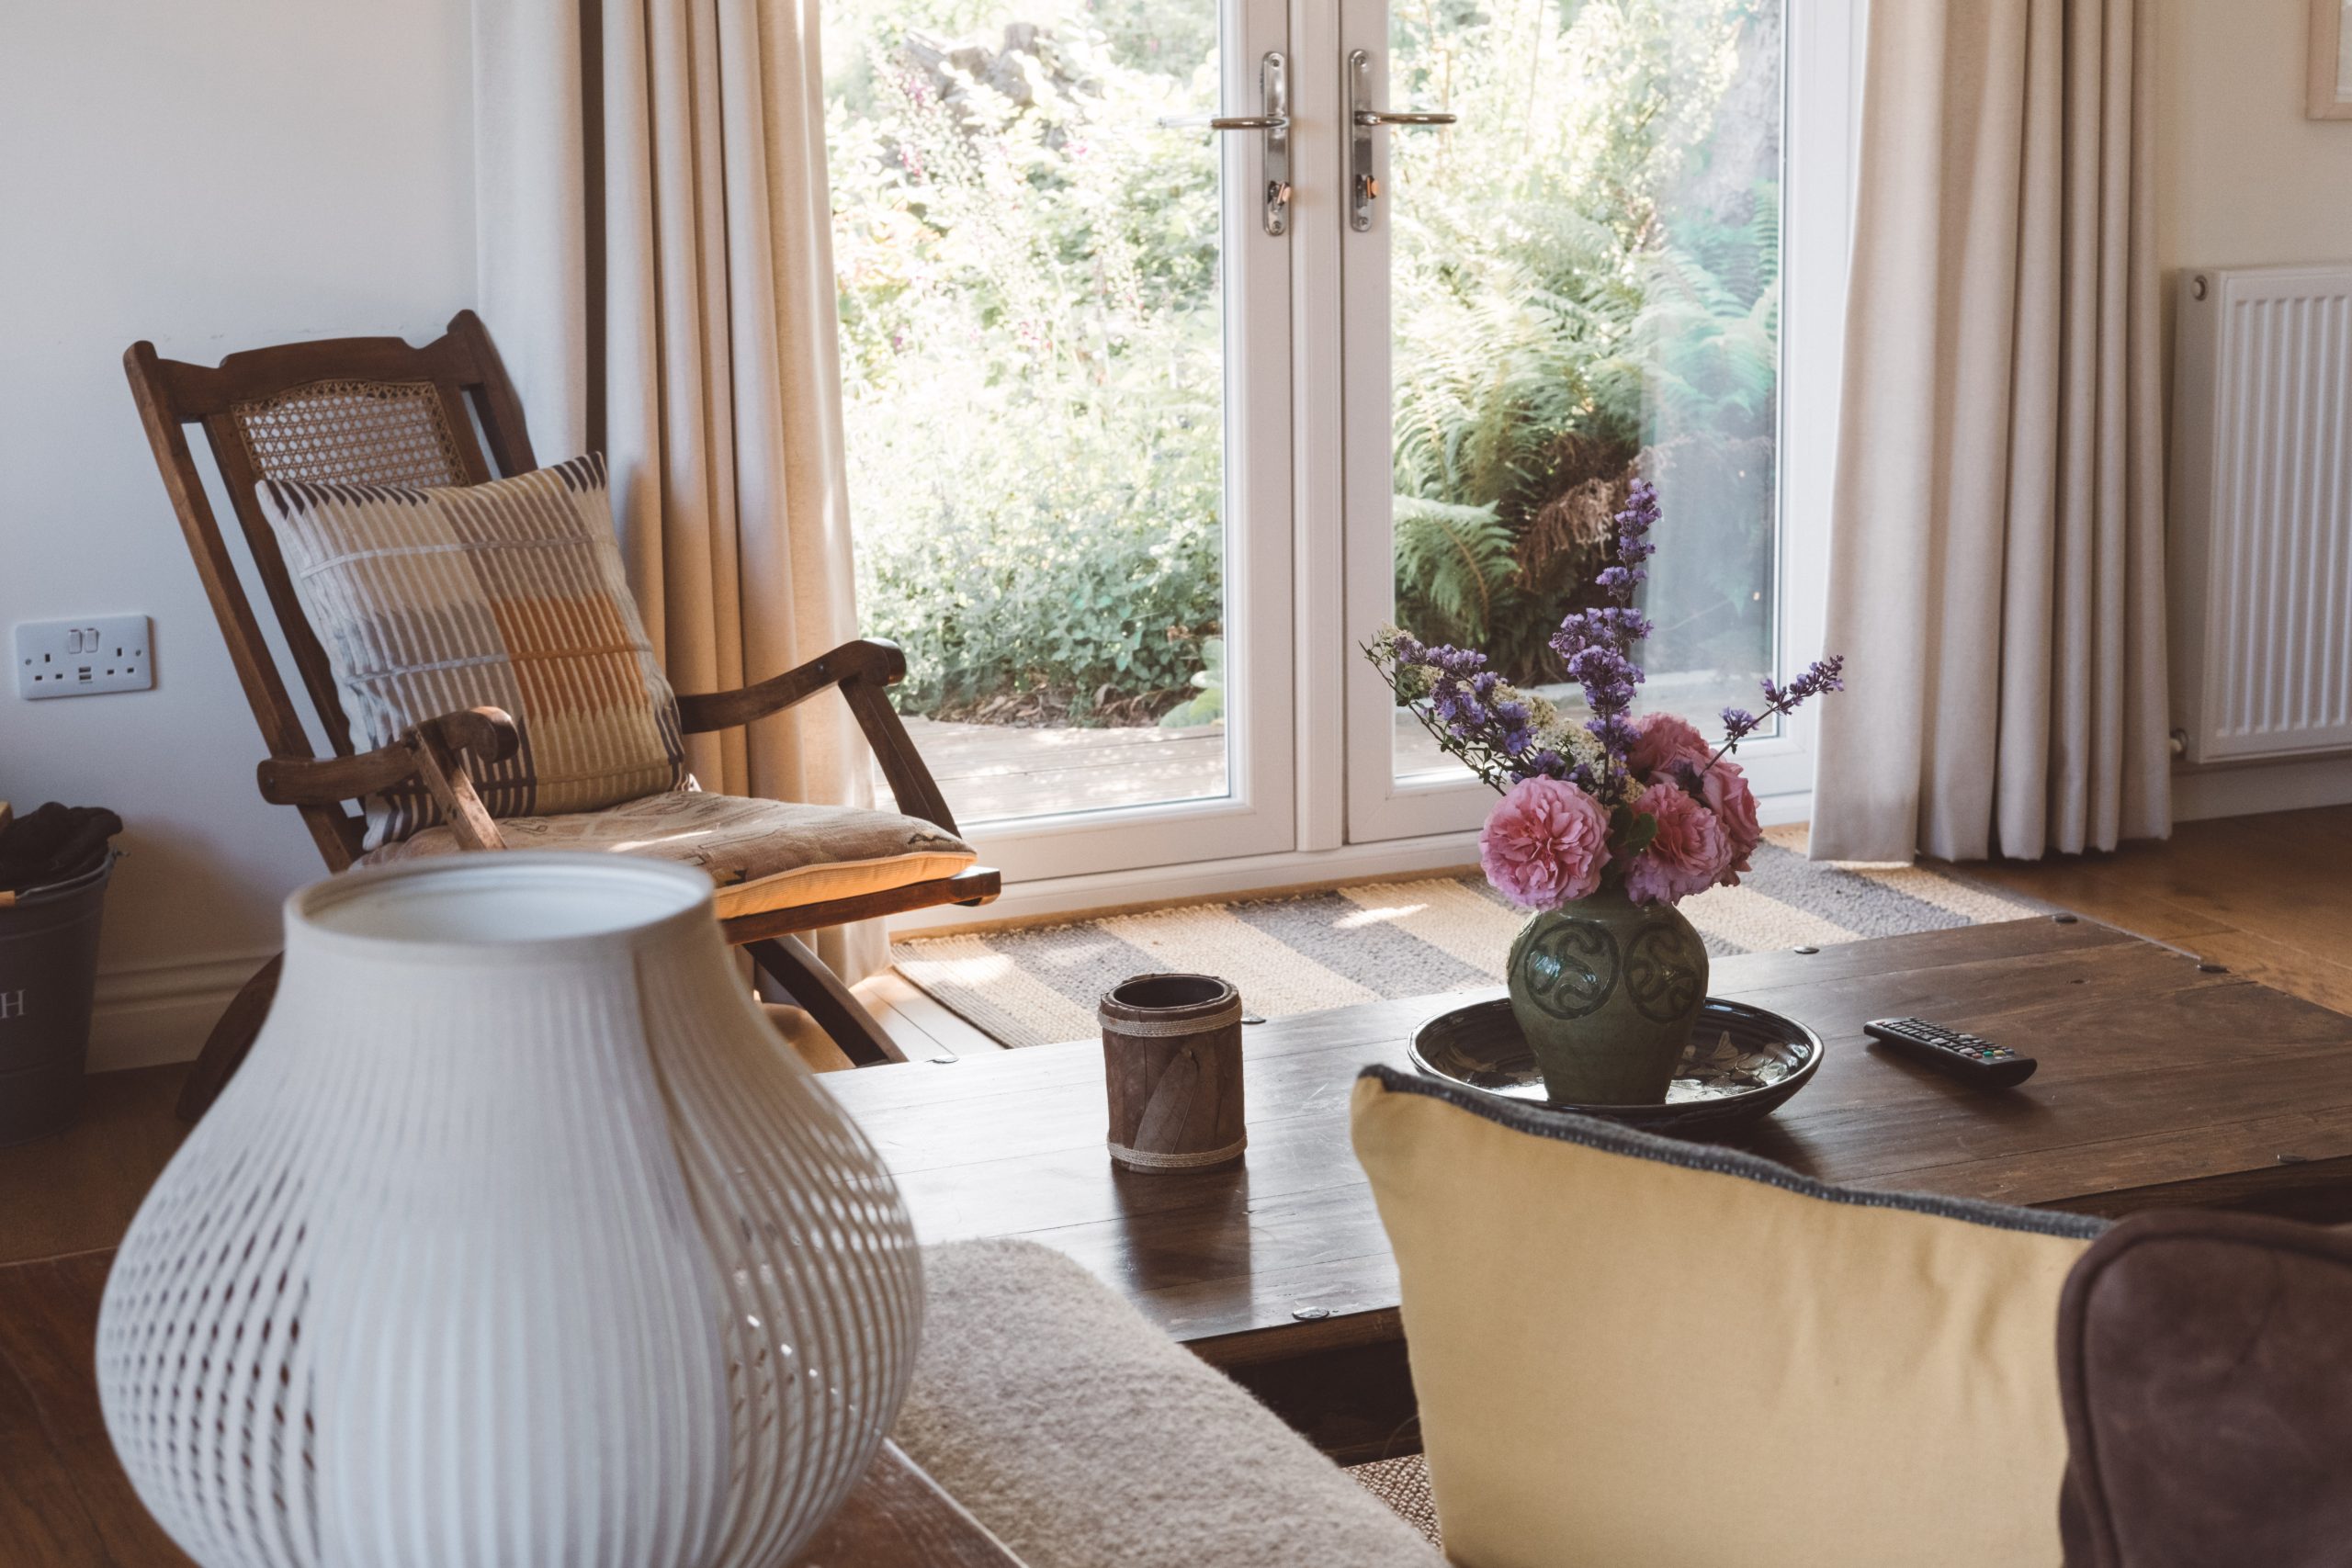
(1380, 940)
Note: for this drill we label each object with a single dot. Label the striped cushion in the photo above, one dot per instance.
(508, 594)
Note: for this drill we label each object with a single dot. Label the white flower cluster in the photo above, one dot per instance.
(1556, 731)
(1412, 682)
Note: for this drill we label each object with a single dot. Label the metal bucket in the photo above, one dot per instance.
(48, 970)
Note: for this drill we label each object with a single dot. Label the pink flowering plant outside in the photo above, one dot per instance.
(1646, 804)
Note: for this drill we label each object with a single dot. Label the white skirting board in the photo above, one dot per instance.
(158, 1013)
(2201, 793)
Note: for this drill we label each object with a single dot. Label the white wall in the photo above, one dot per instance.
(2243, 179)
(213, 176)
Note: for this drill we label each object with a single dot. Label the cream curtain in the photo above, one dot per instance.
(1998, 526)
(657, 265)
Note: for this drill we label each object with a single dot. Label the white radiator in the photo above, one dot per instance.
(2261, 524)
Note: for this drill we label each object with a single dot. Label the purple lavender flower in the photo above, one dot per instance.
(1476, 715)
(1823, 675)
(1468, 707)
(1597, 644)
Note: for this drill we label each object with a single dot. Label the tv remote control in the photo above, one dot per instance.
(1969, 1057)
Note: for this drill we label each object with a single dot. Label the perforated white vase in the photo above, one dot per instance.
(520, 1238)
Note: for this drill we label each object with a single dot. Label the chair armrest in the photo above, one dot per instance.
(488, 733)
(867, 659)
(864, 670)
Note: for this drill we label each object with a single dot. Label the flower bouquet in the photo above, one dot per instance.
(1604, 824)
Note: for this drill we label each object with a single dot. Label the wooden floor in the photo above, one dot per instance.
(2268, 897)
(76, 1193)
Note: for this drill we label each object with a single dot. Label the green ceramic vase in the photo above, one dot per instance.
(1606, 990)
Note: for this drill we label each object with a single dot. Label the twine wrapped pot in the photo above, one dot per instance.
(1171, 1056)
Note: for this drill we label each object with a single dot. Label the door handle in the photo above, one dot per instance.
(1274, 97)
(1363, 120)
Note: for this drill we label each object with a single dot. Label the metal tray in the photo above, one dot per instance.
(1742, 1062)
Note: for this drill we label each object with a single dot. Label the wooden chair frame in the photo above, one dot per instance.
(469, 392)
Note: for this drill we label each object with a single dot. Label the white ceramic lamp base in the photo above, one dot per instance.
(519, 1238)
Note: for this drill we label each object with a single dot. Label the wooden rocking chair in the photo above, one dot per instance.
(378, 410)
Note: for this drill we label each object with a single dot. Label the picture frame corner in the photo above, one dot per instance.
(2328, 66)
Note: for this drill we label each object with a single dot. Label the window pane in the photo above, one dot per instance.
(1586, 288)
(1034, 388)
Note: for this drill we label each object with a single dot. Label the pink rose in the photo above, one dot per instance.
(1665, 740)
(1545, 843)
(1688, 853)
(1724, 790)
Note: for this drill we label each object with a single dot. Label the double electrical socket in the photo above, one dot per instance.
(80, 659)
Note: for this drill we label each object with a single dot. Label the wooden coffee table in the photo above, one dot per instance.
(2160, 1083)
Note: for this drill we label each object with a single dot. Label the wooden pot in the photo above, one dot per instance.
(1171, 1057)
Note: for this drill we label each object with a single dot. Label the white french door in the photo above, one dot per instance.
(1065, 319)
(1248, 811)
(1472, 270)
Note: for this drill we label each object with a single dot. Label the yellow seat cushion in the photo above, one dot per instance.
(763, 855)
(1634, 1350)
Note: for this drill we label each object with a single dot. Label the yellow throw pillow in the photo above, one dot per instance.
(1632, 1352)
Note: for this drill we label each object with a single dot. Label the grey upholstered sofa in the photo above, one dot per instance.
(1084, 1438)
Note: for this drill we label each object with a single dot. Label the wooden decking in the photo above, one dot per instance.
(992, 772)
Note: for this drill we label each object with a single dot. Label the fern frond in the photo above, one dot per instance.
(1456, 561)
(1764, 234)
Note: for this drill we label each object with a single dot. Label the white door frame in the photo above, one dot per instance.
(1822, 104)
(1257, 817)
